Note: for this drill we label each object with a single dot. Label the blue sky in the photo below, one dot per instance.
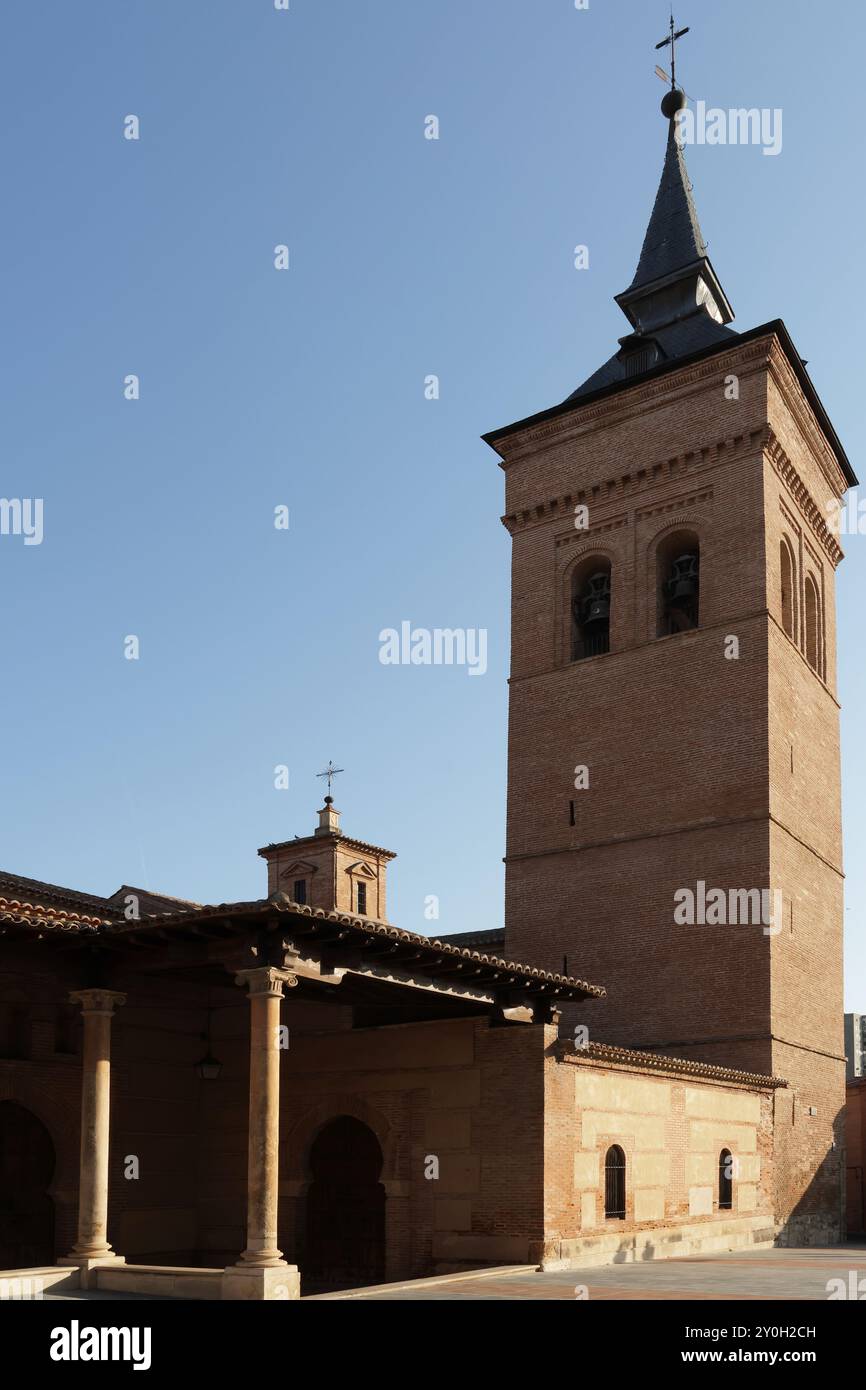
(305, 388)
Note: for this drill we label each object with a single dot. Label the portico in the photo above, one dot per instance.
(364, 1028)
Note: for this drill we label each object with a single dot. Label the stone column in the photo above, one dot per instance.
(92, 1247)
(261, 1271)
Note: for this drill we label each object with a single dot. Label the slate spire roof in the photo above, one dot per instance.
(673, 238)
(675, 302)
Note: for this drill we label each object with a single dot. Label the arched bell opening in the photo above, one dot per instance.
(590, 608)
(678, 574)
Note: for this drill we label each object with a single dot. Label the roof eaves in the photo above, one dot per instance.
(658, 1061)
(263, 907)
(776, 326)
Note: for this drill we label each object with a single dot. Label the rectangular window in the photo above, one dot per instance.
(14, 1031)
(362, 899)
(300, 893)
(66, 1029)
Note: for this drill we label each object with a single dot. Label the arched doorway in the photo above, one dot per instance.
(344, 1226)
(26, 1169)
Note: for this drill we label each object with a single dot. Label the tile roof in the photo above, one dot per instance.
(658, 1061)
(494, 936)
(299, 841)
(36, 890)
(37, 916)
(20, 912)
(365, 926)
(49, 902)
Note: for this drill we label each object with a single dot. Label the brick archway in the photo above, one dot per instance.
(296, 1178)
(55, 1106)
(27, 1164)
(342, 1243)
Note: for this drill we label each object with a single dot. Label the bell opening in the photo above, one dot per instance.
(679, 572)
(590, 610)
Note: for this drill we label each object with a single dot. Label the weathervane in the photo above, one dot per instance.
(330, 772)
(672, 40)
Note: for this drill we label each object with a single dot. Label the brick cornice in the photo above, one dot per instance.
(628, 403)
(804, 500)
(628, 484)
(789, 387)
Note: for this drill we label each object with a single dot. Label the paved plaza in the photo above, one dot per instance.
(793, 1275)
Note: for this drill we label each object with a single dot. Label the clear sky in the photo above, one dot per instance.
(408, 257)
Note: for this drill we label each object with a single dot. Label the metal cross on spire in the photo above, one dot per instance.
(672, 40)
(330, 772)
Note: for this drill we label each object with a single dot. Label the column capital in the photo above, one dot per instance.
(97, 1001)
(269, 980)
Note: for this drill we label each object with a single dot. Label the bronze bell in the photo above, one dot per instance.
(595, 600)
(683, 582)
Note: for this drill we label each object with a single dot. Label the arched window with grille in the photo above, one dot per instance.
(614, 1183)
(726, 1180)
(590, 608)
(678, 564)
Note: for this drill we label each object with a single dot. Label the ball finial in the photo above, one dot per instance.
(673, 102)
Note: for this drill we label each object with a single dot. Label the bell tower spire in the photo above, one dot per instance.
(675, 303)
(675, 279)
(673, 676)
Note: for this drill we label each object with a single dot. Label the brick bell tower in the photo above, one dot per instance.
(673, 717)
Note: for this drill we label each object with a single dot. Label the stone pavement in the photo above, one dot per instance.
(103, 1296)
(793, 1275)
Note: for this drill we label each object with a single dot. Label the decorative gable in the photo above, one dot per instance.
(299, 868)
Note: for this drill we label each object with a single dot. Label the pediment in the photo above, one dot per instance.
(299, 869)
(361, 870)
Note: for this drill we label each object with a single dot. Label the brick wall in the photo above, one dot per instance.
(855, 1158)
(672, 1130)
(701, 768)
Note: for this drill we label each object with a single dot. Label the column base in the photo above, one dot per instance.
(88, 1263)
(261, 1282)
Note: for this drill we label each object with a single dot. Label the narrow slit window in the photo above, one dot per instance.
(788, 583)
(726, 1180)
(813, 625)
(614, 1183)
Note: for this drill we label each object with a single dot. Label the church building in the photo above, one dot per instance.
(291, 1095)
